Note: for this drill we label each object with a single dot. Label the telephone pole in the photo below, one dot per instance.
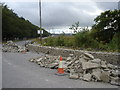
(40, 20)
(118, 5)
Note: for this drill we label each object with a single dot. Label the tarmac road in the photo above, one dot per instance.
(18, 72)
(0, 66)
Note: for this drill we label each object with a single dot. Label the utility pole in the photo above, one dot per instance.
(40, 20)
(118, 5)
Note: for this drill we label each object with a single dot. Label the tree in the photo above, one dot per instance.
(75, 27)
(14, 26)
(106, 25)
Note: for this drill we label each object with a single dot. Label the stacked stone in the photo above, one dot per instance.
(84, 67)
(12, 47)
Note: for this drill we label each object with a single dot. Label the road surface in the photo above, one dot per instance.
(0, 66)
(18, 72)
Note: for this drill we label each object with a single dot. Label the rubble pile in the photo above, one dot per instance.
(47, 61)
(83, 67)
(12, 47)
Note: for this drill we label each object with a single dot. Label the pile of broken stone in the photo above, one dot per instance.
(10, 46)
(83, 67)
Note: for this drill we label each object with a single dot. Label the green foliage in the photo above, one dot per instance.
(69, 41)
(114, 45)
(45, 33)
(98, 38)
(14, 26)
(59, 41)
(75, 27)
(49, 41)
(107, 25)
(54, 41)
(84, 40)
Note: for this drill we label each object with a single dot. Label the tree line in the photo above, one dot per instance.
(14, 26)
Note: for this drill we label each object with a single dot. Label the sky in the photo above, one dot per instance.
(58, 16)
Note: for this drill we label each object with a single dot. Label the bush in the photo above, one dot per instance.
(49, 41)
(84, 40)
(114, 45)
(69, 41)
(59, 41)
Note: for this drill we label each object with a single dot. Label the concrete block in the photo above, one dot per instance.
(89, 65)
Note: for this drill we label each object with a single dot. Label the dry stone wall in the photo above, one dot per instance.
(112, 58)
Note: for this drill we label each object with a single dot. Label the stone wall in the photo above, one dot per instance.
(112, 58)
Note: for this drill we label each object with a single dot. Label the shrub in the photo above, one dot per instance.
(114, 45)
(84, 40)
(59, 41)
(49, 41)
(69, 41)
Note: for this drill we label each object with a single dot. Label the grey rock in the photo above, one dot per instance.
(11, 47)
(115, 73)
(90, 65)
(105, 76)
(87, 77)
(40, 63)
(89, 55)
(38, 60)
(87, 58)
(71, 55)
(111, 66)
(10, 42)
(69, 58)
(98, 61)
(32, 60)
(96, 73)
(103, 64)
(84, 67)
(80, 76)
(82, 60)
(115, 80)
(74, 75)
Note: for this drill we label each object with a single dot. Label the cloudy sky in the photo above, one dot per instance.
(59, 16)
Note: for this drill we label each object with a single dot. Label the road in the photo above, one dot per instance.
(0, 66)
(18, 72)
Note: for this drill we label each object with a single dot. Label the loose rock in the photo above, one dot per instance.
(87, 77)
(12, 47)
(83, 67)
(105, 76)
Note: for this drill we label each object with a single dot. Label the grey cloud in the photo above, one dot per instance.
(56, 14)
(66, 14)
(107, 5)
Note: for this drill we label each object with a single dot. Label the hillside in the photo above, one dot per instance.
(14, 26)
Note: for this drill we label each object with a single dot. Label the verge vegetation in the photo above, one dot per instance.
(104, 35)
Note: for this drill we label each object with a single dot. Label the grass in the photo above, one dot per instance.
(70, 43)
